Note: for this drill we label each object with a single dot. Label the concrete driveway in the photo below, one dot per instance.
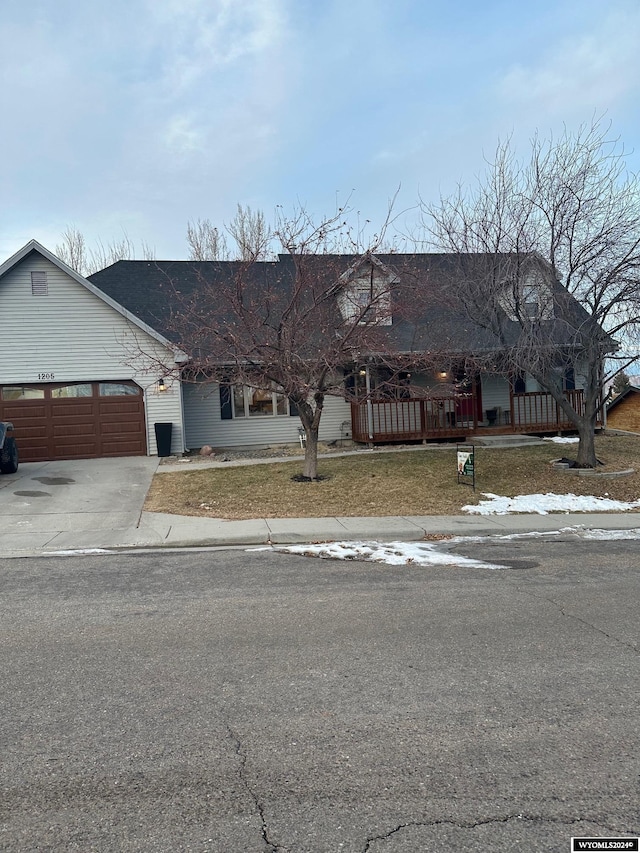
(80, 503)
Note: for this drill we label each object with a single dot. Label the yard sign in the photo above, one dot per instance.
(465, 457)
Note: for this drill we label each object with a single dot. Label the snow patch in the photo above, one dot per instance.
(577, 530)
(75, 551)
(391, 553)
(563, 439)
(611, 534)
(544, 504)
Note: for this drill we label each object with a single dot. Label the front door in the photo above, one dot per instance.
(469, 402)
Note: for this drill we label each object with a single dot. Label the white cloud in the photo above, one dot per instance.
(182, 137)
(589, 70)
(146, 113)
(201, 37)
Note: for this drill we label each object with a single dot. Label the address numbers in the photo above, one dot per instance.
(46, 376)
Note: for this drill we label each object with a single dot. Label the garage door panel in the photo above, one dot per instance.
(121, 448)
(29, 432)
(84, 410)
(23, 411)
(70, 440)
(114, 412)
(115, 429)
(78, 451)
(77, 427)
(74, 427)
(34, 452)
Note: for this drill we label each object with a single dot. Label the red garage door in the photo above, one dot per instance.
(80, 420)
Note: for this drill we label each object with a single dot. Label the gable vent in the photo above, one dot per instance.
(39, 284)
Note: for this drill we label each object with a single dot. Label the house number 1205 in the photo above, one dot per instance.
(46, 376)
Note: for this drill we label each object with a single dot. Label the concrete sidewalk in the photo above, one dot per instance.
(173, 530)
(161, 530)
(61, 507)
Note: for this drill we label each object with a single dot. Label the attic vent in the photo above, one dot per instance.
(39, 284)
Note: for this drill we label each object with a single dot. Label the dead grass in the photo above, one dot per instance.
(416, 483)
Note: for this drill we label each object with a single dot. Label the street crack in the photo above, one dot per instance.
(484, 822)
(269, 845)
(568, 615)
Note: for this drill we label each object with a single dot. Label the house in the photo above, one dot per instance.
(66, 380)
(74, 383)
(623, 412)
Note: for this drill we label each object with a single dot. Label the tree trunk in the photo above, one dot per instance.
(585, 424)
(310, 419)
(310, 469)
(586, 447)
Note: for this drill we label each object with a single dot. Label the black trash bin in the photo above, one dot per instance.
(163, 438)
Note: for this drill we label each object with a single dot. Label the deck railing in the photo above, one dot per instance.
(445, 417)
(539, 410)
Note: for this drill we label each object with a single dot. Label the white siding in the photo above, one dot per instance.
(495, 392)
(203, 424)
(71, 335)
(164, 407)
(581, 371)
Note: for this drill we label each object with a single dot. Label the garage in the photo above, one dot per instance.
(78, 420)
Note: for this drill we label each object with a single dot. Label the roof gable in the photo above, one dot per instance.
(629, 391)
(369, 260)
(34, 247)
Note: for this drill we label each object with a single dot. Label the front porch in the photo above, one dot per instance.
(383, 421)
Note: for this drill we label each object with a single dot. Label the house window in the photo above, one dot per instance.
(39, 284)
(366, 303)
(22, 392)
(243, 401)
(531, 301)
(117, 389)
(65, 391)
(569, 379)
(260, 402)
(239, 407)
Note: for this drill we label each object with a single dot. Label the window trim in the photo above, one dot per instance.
(367, 304)
(531, 300)
(23, 396)
(246, 394)
(228, 403)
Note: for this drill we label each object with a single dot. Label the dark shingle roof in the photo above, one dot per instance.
(151, 290)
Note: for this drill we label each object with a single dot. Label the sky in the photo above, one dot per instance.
(137, 116)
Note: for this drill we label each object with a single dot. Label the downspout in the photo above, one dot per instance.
(369, 403)
(603, 397)
(184, 423)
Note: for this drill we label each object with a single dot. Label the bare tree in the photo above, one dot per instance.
(548, 262)
(290, 329)
(74, 252)
(251, 234)
(73, 249)
(206, 242)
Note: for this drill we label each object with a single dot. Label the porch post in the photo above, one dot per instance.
(369, 404)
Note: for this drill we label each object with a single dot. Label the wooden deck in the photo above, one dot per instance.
(387, 421)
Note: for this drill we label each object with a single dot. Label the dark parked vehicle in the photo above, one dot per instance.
(8, 449)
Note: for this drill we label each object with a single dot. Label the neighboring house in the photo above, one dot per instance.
(624, 411)
(73, 381)
(65, 377)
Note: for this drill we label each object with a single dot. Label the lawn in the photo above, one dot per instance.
(421, 482)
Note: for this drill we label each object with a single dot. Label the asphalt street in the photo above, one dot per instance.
(256, 701)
